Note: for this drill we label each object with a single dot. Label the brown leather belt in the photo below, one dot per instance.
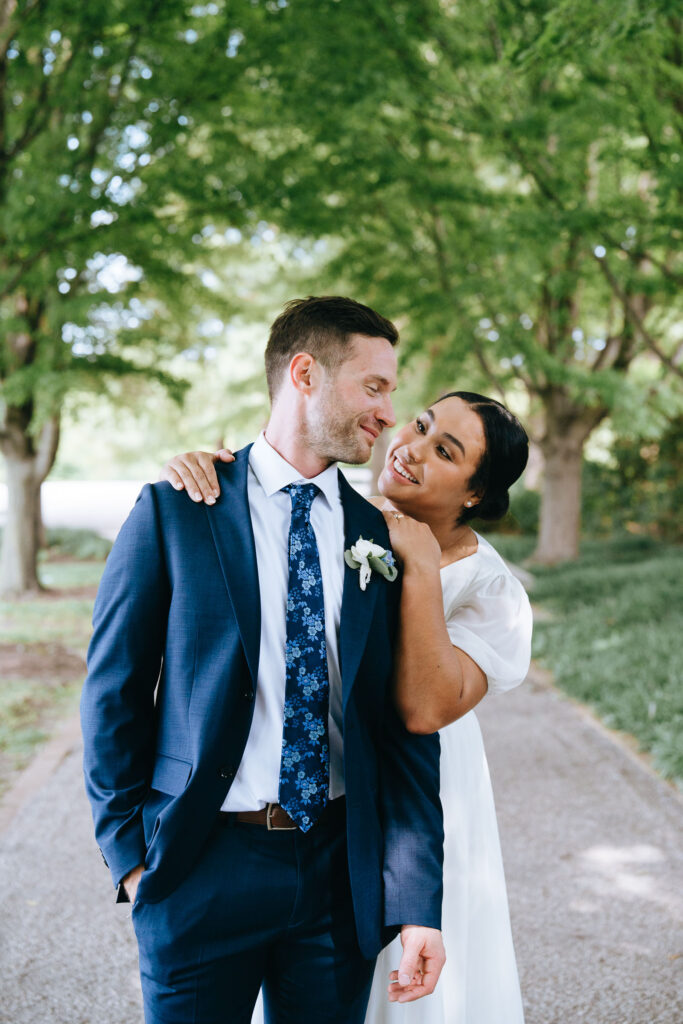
(272, 816)
(275, 818)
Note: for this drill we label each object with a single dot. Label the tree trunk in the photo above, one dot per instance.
(48, 444)
(19, 558)
(27, 465)
(567, 428)
(560, 520)
(41, 532)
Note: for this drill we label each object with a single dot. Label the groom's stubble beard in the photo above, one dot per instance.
(333, 433)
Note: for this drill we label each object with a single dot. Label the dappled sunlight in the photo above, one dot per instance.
(623, 870)
(611, 856)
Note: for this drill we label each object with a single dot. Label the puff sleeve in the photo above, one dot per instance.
(493, 626)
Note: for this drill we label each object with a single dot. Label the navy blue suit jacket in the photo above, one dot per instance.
(168, 702)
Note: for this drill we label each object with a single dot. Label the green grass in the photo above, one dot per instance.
(28, 712)
(613, 638)
(48, 633)
(64, 619)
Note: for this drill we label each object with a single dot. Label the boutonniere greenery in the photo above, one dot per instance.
(366, 556)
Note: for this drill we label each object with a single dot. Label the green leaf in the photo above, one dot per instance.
(351, 561)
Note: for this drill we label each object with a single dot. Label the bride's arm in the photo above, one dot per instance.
(436, 683)
(195, 472)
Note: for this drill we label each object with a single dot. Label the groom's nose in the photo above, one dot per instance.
(386, 414)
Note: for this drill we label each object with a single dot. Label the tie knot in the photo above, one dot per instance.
(302, 496)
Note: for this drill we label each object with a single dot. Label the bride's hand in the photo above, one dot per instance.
(195, 472)
(413, 542)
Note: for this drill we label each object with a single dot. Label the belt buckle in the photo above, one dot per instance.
(269, 821)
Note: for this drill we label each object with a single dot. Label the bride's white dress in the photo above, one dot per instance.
(488, 616)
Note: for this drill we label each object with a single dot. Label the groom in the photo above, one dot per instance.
(253, 792)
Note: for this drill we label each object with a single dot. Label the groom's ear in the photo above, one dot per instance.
(304, 371)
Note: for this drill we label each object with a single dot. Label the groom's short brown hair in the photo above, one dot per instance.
(320, 325)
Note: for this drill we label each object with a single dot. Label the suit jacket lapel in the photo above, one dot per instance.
(360, 519)
(230, 524)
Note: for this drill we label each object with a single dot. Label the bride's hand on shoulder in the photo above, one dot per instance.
(413, 542)
(195, 473)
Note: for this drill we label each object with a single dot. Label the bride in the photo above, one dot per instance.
(465, 631)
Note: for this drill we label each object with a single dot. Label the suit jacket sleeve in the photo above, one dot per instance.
(117, 704)
(413, 826)
(413, 819)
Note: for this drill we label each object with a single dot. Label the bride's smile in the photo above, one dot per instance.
(398, 469)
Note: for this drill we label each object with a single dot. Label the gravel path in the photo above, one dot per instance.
(593, 846)
(593, 849)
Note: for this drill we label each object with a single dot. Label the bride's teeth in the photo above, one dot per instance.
(399, 469)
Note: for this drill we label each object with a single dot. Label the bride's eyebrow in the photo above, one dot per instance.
(450, 437)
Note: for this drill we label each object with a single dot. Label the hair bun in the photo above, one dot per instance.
(493, 506)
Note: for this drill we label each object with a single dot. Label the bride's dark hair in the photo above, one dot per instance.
(504, 458)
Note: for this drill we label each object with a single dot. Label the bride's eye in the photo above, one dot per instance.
(420, 427)
(443, 451)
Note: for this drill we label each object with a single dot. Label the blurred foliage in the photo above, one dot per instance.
(641, 490)
(507, 190)
(613, 636)
(84, 545)
(66, 544)
(522, 516)
(103, 201)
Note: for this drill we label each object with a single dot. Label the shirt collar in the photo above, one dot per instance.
(273, 472)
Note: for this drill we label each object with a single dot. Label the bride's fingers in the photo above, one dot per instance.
(399, 521)
(405, 994)
(195, 481)
(169, 473)
(416, 980)
(225, 455)
(189, 475)
(203, 466)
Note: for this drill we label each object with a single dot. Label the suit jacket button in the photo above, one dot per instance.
(228, 772)
(248, 694)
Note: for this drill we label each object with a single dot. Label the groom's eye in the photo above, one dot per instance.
(372, 389)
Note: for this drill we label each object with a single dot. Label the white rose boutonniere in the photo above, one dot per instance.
(366, 556)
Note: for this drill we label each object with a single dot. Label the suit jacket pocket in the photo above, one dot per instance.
(170, 774)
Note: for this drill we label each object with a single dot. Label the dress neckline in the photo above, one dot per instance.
(465, 558)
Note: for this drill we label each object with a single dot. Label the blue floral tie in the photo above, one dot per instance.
(305, 765)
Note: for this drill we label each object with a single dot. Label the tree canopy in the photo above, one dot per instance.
(503, 178)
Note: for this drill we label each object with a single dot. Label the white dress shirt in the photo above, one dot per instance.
(258, 777)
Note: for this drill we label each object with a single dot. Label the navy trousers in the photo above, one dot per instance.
(260, 908)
